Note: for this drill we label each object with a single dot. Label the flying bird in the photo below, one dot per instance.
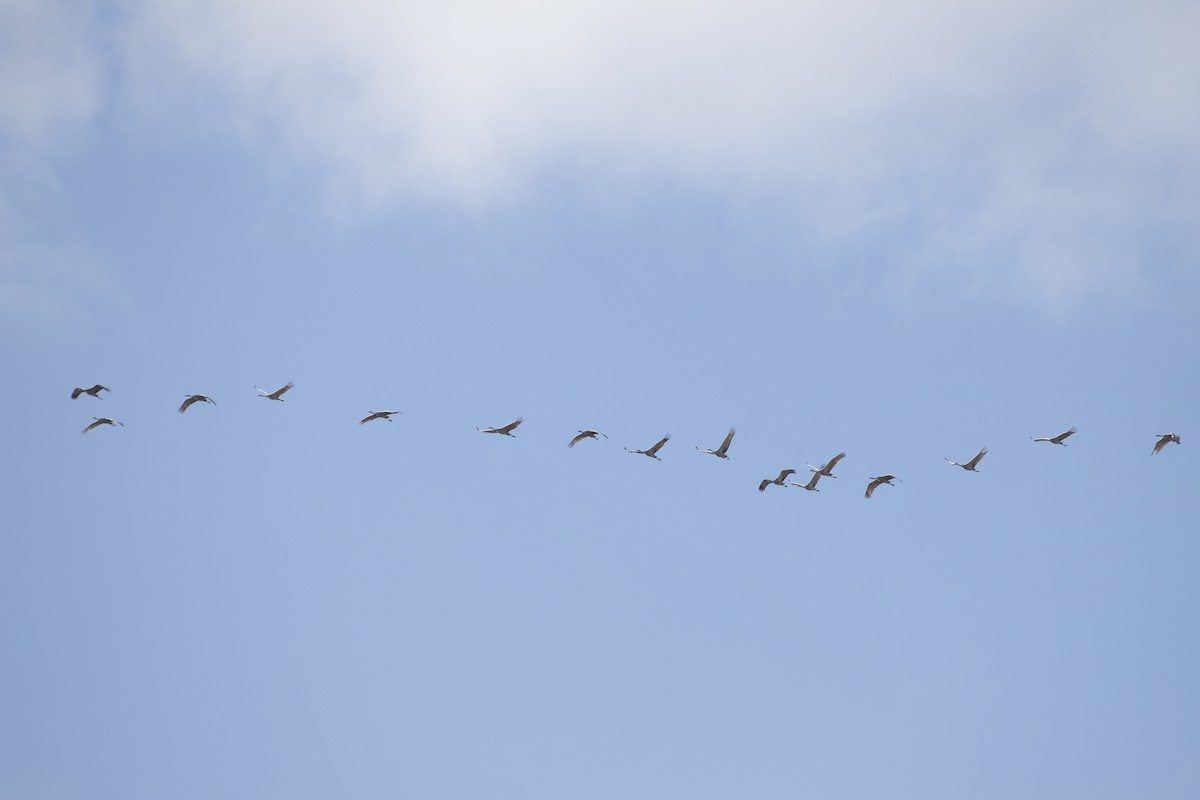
(778, 481)
(879, 481)
(970, 465)
(812, 481)
(506, 430)
(386, 415)
(94, 391)
(102, 421)
(652, 451)
(1055, 439)
(277, 394)
(827, 468)
(721, 451)
(589, 434)
(195, 398)
(1164, 439)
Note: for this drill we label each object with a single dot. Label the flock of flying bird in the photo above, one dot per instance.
(825, 470)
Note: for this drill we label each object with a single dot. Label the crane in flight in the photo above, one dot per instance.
(277, 394)
(652, 451)
(102, 421)
(1165, 439)
(506, 430)
(722, 451)
(762, 487)
(878, 481)
(826, 469)
(386, 415)
(588, 434)
(94, 391)
(812, 482)
(1055, 439)
(195, 398)
(970, 465)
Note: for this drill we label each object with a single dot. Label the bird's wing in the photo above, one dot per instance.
(833, 461)
(368, 418)
(186, 403)
(728, 440)
(871, 487)
(1063, 435)
(765, 483)
(76, 392)
(658, 445)
(283, 389)
(510, 427)
(95, 424)
(1161, 443)
(580, 436)
(978, 457)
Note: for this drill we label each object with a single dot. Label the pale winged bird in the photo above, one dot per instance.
(387, 415)
(812, 482)
(879, 481)
(588, 434)
(195, 398)
(506, 430)
(826, 469)
(721, 451)
(94, 391)
(277, 394)
(1055, 439)
(970, 465)
(1164, 439)
(652, 451)
(102, 421)
(778, 481)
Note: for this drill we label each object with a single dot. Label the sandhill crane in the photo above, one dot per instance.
(812, 482)
(826, 469)
(588, 434)
(386, 415)
(1164, 439)
(778, 481)
(1055, 439)
(652, 451)
(970, 465)
(94, 391)
(879, 481)
(102, 421)
(195, 398)
(721, 451)
(506, 430)
(277, 394)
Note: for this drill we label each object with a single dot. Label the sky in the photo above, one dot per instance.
(904, 233)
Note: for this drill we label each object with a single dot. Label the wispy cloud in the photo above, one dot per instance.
(50, 90)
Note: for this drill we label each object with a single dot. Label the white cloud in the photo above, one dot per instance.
(1019, 145)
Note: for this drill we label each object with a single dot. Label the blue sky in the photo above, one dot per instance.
(904, 235)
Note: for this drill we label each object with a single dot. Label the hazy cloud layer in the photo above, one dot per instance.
(50, 90)
(1029, 146)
